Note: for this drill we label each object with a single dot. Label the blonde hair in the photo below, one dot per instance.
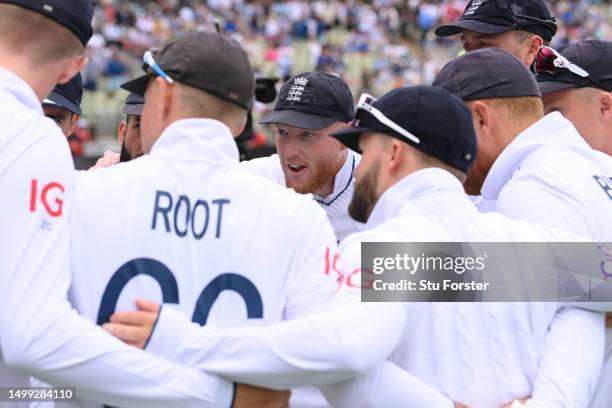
(41, 39)
(520, 108)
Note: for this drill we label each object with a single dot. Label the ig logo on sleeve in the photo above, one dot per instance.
(49, 196)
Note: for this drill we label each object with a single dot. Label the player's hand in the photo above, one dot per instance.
(514, 403)
(134, 328)
(107, 160)
(460, 405)
(608, 320)
(248, 396)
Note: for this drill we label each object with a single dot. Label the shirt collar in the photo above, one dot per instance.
(343, 178)
(410, 188)
(203, 140)
(14, 85)
(544, 132)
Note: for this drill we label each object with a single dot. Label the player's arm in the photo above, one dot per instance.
(572, 360)
(385, 386)
(40, 333)
(341, 341)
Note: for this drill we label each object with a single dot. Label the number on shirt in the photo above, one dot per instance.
(167, 282)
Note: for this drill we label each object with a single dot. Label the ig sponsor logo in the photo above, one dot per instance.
(49, 196)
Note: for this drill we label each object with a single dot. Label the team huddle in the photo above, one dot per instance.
(174, 275)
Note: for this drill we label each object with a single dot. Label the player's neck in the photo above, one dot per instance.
(39, 79)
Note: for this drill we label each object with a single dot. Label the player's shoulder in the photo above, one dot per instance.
(272, 198)
(268, 167)
(116, 179)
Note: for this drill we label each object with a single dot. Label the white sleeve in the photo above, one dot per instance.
(340, 342)
(385, 386)
(572, 360)
(313, 280)
(40, 333)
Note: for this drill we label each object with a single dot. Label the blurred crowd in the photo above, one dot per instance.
(373, 45)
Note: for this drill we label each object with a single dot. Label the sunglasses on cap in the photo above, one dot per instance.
(366, 103)
(149, 60)
(549, 61)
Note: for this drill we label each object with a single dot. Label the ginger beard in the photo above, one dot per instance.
(311, 178)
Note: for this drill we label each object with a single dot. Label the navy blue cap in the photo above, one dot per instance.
(68, 95)
(134, 104)
(486, 74)
(441, 121)
(593, 56)
(75, 15)
(312, 100)
(499, 16)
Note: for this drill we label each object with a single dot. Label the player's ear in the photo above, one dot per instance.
(167, 95)
(481, 114)
(535, 42)
(74, 119)
(605, 105)
(121, 131)
(75, 66)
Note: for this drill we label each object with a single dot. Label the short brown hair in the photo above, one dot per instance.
(200, 104)
(41, 39)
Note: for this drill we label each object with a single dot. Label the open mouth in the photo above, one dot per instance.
(296, 168)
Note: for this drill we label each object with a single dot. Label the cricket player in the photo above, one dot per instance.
(192, 229)
(128, 134)
(409, 188)
(524, 154)
(520, 27)
(310, 106)
(577, 82)
(63, 105)
(40, 334)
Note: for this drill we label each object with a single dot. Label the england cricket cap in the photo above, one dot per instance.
(68, 95)
(500, 16)
(208, 61)
(312, 100)
(75, 15)
(593, 56)
(134, 104)
(487, 73)
(440, 124)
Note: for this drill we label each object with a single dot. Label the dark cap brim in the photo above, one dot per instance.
(547, 87)
(299, 119)
(138, 85)
(350, 136)
(133, 110)
(63, 102)
(472, 25)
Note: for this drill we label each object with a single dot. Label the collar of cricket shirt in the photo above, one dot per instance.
(419, 184)
(344, 179)
(546, 132)
(14, 85)
(198, 140)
